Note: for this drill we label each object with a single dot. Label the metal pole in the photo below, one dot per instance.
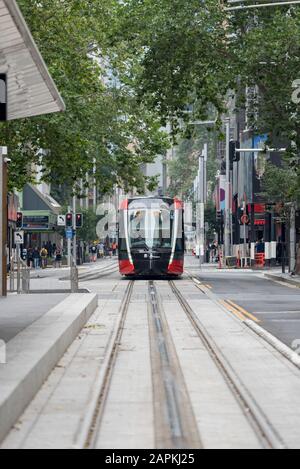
(87, 192)
(261, 5)
(69, 245)
(292, 237)
(74, 228)
(3, 222)
(74, 276)
(203, 160)
(12, 274)
(198, 215)
(19, 290)
(227, 195)
(95, 186)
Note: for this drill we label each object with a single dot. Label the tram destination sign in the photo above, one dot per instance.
(3, 97)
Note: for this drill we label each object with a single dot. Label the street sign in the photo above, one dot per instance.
(69, 233)
(19, 237)
(245, 220)
(61, 220)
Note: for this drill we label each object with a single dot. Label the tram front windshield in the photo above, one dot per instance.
(150, 228)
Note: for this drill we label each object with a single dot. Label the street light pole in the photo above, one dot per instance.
(202, 201)
(202, 194)
(227, 240)
(74, 274)
(3, 222)
(259, 5)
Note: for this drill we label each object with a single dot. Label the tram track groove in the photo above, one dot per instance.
(175, 423)
(94, 275)
(90, 426)
(266, 433)
(107, 270)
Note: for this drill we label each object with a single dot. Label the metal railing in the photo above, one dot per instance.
(19, 276)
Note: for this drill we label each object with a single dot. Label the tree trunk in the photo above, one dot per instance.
(298, 262)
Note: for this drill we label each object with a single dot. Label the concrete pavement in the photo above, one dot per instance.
(37, 329)
(18, 312)
(285, 278)
(34, 352)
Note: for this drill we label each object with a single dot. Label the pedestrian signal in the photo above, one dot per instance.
(79, 220)
(19, 220)
(69, 220)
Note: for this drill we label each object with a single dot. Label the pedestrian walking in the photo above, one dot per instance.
(30, 258)
(114, 248)
(94, 253)
(36, 258)
(44, 257)
(58, 258)
(101, 250)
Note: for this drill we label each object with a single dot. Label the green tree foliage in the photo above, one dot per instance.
(280, 184)
(210, 219)
(104, 122)
(179, 45)
(194, 52)
(183, 167)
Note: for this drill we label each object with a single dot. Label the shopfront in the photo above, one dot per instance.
(40, 213)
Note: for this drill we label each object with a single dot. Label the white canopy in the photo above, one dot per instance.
(31, 90)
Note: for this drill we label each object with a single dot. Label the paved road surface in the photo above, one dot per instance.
(275, 305)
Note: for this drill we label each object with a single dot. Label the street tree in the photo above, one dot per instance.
(105, 128)
(281, 186)
(193, 53)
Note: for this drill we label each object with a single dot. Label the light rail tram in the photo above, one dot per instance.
(151, 237)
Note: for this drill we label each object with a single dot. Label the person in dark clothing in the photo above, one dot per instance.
(279, 253)
(260, 247)
(36, 258)
(58, 258)
(94, 253)
(30, 257)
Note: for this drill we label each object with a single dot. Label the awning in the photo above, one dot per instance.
(33, 199)
(31, 90)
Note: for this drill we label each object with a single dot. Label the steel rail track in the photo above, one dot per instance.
(175, 424)
(90, 426)
(267, 434)
(98, 273)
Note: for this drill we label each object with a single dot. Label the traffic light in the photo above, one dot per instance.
(234, 156)
(69, 220)
(219, 216)
(19, 220)
(3, 97)
(79, 220)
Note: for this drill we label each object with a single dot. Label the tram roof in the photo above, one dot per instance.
(152, 197)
